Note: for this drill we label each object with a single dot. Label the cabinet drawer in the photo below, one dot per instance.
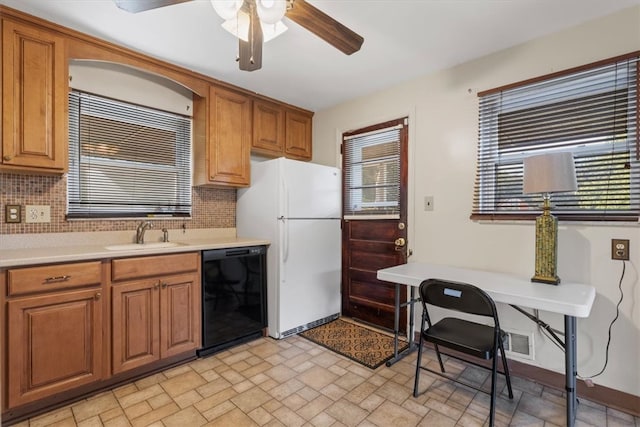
(53, 277)
(140, 267)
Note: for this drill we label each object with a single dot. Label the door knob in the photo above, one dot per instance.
(400, 242)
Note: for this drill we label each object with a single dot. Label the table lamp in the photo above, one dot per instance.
(546, 174)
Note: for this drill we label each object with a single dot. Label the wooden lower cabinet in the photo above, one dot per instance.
(71, 329)
(180, 315)
(154, 319)
(135, 311)
(55, 344)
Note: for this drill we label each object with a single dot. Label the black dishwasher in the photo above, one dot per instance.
(234, 297)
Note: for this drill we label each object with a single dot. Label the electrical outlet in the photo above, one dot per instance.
(620, 249)
(37, 213)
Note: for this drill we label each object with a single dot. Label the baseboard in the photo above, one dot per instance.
(609, 397)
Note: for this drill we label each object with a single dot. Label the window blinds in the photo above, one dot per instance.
(372, 173)
(593, 113)
(126, 160)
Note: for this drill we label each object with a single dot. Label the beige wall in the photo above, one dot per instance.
(442, 110)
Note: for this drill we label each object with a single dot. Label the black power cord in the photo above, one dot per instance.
(555, 339)
(606, 356)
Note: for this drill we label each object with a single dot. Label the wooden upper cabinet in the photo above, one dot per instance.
(34, 99)
(281, 131)
(268, 128)
(226, 138)
(298, 135)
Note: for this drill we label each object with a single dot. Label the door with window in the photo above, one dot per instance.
(374, 230)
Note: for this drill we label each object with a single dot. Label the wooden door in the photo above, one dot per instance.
(56, 344)
(229, 147)
(34, 98)
(374, 241)
(298, 135)
(136, 324)
(180, 314)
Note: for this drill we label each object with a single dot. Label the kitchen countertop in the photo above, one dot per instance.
(91, 246)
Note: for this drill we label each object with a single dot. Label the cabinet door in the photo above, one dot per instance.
(34, 99)
(229, 144)
(136, 324)
(180, 314)
(268, 128)
(56, 344)
(298, 135)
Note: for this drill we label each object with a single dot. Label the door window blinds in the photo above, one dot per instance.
(592, 112)
(372, 173)
(126, 160)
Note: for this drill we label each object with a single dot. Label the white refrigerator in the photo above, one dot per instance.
(296, 206)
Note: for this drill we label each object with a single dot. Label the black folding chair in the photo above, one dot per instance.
(471, 338)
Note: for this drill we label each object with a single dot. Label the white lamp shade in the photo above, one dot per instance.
(549, 173)
(271, 11)
(227, 9)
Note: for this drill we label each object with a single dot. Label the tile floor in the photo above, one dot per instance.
(294, 382)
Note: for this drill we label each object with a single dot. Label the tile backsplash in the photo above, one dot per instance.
(212, 207)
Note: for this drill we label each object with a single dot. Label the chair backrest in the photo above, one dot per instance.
(458, 296)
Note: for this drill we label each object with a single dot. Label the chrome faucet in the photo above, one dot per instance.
(142, 227)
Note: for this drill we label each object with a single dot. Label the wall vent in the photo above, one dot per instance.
(519, 344)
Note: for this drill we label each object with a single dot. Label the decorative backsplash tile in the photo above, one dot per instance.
(212, 207)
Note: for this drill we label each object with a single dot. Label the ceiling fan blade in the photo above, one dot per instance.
(250, 52)
(325, 27)
(135, 6)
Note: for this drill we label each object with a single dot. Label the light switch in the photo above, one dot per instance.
(428, 203)
(12, 214)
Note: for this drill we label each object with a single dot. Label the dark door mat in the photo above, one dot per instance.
(359, 343)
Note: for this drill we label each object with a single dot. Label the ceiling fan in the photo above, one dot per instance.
(250, 45)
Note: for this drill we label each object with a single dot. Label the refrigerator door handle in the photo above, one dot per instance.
(285, 240)
(284, 247)
(285, 225)
(285, 199)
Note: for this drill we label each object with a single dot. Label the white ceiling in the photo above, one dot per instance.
(403, 39)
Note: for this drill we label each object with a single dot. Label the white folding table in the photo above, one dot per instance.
(572, 300)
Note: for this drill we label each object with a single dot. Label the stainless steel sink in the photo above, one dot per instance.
(140, 246)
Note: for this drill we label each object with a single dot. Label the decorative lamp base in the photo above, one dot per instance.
(546, 246)
(548, 280)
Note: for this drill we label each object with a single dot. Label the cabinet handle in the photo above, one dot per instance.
(164, 285)
(98, 295)
(157, 285)
(56, 279)
(7, 157)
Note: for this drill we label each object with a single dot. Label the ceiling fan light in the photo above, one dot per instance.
(227, 9)
(271, 31)
(238, 26)
(271, 11)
